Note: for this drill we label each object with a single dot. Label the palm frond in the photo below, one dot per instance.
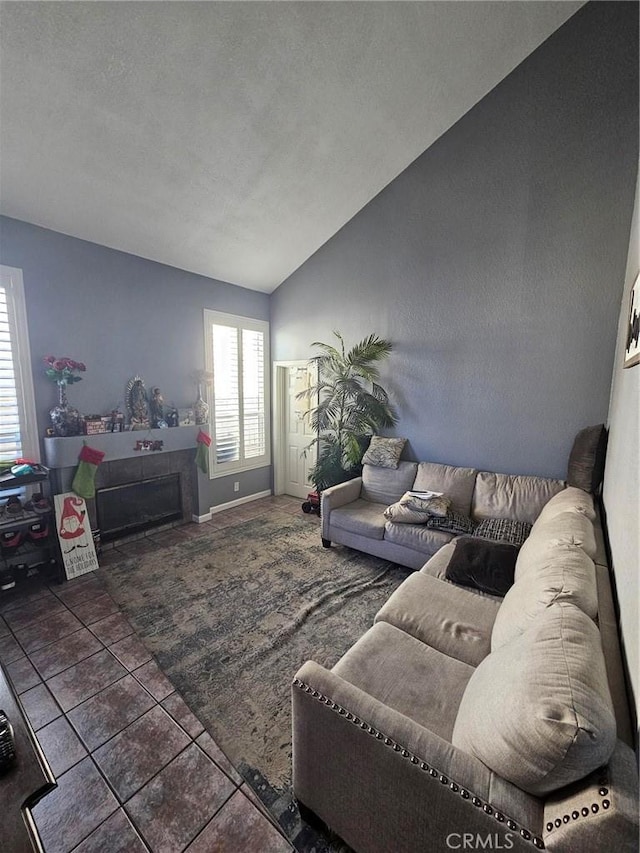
(350, 405)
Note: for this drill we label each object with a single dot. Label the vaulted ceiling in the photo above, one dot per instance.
(233, 139)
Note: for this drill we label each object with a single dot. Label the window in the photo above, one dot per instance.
(237, 353)
(18, 430)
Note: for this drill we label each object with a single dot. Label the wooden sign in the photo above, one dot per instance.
(74, 534)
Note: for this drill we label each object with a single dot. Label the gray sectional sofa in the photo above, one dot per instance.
(461, 720)
(353, 512)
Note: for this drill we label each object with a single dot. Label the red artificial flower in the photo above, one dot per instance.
(80, 366)
(60, 364)
(49, 359)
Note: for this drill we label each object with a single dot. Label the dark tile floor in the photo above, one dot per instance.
(136, 770)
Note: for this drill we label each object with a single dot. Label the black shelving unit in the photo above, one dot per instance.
(33, 548)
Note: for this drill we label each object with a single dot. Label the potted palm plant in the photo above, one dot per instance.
(349, 405)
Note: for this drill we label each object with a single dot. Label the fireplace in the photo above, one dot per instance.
(134, 507)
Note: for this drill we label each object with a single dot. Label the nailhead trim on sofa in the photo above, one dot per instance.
(585, 811)
(444, 780)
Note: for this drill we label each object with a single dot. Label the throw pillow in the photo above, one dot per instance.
(484, 565)
(433, 503)
(452, 522)
(384, 452)
(503, 530)
(413, 510)
(586, 460)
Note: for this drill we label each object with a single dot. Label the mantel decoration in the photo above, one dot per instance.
(137, 403)
(65, 419)
(348, 406)
(201, 407)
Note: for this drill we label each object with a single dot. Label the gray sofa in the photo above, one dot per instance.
(465, 721)
(353, 512)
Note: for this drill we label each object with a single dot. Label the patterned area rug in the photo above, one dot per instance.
(231, 615)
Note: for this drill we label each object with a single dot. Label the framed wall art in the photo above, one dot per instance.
(632, 345)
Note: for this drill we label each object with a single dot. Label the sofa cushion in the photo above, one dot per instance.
(568, 500)
(565, 528)
(484, 565)
(436, 566)
(503, 530)
(448, 618)
(407, 675)
(565, 573)
(587, 457)
(512, 496)
(384, 452)
(538, 711)
(417, 536)
(361, 517)
(387, 485)
(456, 483)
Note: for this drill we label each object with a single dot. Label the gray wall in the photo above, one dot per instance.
(121, 315)
(621, 493)
(495, 262)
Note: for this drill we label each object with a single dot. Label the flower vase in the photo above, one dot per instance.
(65, 419)
(201, 408)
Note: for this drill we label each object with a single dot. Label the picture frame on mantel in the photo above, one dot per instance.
(632, 344)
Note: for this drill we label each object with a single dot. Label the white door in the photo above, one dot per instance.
(298, 434)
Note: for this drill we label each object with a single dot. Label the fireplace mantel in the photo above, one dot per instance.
(63, 452)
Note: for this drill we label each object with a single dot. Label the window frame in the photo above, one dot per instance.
(237, 322)
(12, 281)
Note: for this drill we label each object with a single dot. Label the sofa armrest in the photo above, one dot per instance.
(335, 496)
(383, 782)
(599, 812)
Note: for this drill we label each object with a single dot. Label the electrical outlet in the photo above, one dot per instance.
(236, 486)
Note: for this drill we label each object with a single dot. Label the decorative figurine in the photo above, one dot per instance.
(157, 409)
(172, 417)
(137, 404)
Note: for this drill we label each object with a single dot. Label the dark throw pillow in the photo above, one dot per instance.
(503, 530)
(480, 564)
(452, 522)
(586, 460)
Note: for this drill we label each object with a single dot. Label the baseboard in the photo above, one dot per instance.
(247, 499)
(200, 519)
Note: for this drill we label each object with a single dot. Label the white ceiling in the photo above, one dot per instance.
(234, 139)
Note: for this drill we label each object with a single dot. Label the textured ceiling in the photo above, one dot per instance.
(234, 139)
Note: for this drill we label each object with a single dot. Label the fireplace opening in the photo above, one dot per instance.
(134, 507)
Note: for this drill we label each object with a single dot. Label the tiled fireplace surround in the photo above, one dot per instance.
(123, 464)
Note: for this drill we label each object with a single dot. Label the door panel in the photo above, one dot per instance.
(299, 434)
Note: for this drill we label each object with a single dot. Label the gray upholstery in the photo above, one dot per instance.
(456, 483)
(448, 618)
(568, 500)
(408, 676)
(512, 496)
(372, 739)
(416, 536)
(362, 517)
(546, 723)
(565, 574)
(371, 787)
(387, 485)
(599, 813)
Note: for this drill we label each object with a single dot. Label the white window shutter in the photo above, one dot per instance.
(238, 356)
(18, 434)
